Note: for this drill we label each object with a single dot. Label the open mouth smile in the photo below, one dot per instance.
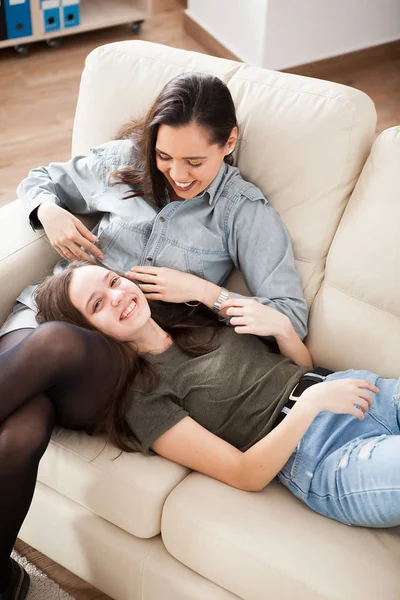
(184, 187)
(128, 310)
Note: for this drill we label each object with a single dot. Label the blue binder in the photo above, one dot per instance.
(18, 18)
(50, 15)
(71, 13)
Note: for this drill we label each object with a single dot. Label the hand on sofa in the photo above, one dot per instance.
(67, 233)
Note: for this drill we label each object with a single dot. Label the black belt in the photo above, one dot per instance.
(310, 378)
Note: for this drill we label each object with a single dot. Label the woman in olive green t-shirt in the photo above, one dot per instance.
(210, 398)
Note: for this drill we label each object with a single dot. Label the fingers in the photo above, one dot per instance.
(357, 413)
(363, 405)
(367, 396)
(150, 270)
(368, 385)
(150, 288)
(84, 231)
(234, 310)
(73, 253)
(81, 241)
(145, 277)
(154, 297)
(130, 275)
(235, 302)
(238, 321)
(86, 239)
(240, 329)
(65, 253)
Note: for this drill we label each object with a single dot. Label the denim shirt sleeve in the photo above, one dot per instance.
(260, 247)
(73, 184)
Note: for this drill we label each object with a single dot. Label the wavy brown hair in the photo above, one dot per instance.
(179, 320)
(194, 97)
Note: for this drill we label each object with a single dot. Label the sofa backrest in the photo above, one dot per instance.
(355, 317)
(304, 141)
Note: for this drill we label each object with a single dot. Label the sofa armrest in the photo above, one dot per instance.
(25, 256)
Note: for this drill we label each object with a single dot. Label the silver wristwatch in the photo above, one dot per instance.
(224, 295)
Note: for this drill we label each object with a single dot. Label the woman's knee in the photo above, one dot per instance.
(9, 340)
(24, 435)
(64, 343)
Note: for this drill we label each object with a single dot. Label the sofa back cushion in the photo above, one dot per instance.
(355, 318)
(303, 141)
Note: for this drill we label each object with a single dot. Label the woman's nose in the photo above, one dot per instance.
(178, 172)
(117, 297)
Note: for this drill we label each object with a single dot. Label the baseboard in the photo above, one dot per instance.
(205, 39)
(359, 59)
(160, 6)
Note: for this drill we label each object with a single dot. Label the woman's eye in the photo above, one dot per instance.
(96, 305)
(114, 281)
(195, 165)
(163, 157)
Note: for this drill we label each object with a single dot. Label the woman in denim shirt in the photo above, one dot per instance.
(178, 218)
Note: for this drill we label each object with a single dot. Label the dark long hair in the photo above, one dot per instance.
(195, 97)
(179, 320)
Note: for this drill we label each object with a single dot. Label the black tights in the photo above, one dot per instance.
(57, 373)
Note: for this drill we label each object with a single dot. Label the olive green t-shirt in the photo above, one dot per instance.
(236, 391)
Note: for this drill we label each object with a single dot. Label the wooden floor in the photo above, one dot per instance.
(66, 580)
(38, 95)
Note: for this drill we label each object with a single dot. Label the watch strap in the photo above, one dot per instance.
(224, 295)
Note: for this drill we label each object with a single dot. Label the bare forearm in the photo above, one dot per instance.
(263, 461)
(291, 346)
(208, 293)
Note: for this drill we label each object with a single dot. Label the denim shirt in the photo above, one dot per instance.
(229, 225)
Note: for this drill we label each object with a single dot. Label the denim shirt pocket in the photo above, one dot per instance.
(121, 242)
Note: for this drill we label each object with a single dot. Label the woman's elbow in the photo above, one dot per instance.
(249, 481)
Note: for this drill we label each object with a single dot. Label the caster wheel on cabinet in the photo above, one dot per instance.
(136, 26)
(21, 50)
(53, 43)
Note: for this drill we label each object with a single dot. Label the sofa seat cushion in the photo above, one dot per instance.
(128, 491)
(269, 544)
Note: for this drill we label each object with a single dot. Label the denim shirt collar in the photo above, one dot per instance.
(213, 191)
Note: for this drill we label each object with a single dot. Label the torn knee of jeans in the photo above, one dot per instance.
(362, 449)
(396, 395)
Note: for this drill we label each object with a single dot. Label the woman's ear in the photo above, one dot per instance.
(232, 140)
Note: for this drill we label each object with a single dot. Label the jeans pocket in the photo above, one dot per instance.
(289, 469)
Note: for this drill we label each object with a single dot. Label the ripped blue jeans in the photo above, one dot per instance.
(349, 470)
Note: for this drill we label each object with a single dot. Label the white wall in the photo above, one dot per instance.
(278, 34)
(301, 31)
(240, 25)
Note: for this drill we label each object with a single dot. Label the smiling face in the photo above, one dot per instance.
(112, 304)
(186, 158)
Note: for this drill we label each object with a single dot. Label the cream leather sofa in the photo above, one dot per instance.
(148, 529)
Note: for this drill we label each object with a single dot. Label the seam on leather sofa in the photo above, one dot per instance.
(91, 461)
(105, 48)
(143, 567)
(26, 245)
(253, 556)
(240, 66)
(339, 187)
(339, 289)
